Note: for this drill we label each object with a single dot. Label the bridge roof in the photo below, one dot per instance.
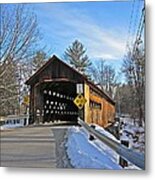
(65, 65)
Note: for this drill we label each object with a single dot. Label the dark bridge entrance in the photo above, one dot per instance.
(52, 92)
(58, 100)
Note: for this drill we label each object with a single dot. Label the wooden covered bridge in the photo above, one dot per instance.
(59, 92)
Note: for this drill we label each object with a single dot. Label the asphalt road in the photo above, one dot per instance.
(34, 147)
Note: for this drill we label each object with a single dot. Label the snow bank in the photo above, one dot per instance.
(89, 154)
(134, 134)
(104, 132)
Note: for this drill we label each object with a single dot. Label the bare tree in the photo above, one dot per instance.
(105, 76)
(124, 100)
(18, 33)
(134, 70)
(18, 42)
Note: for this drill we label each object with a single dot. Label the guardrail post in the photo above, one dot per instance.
(122, 161)
(91, 137)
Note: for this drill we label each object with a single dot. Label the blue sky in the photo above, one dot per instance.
(103, 27)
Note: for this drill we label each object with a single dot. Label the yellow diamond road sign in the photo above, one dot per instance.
(26, 100)
(80, 101)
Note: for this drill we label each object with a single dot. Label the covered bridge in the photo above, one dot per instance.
(53, 89)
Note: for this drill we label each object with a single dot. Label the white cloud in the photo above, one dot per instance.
(100, 42)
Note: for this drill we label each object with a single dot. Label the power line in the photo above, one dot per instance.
(139, 30)
(134, 34)
(135, 22)
(141, 25)
(130, 24)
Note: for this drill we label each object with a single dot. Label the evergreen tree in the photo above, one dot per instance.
(76, 55)
(9, 89)
(38, 60)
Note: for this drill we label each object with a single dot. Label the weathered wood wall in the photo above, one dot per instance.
(98, 110)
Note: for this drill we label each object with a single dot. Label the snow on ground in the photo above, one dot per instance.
(89, 154)
(134, 134)
(114, 156)
(105, 132)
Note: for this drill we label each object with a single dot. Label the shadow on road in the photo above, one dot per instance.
(60, 135)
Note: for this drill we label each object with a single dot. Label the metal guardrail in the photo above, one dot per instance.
(14, 119)
(135, 158)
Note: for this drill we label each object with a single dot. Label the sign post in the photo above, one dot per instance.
(26, 100)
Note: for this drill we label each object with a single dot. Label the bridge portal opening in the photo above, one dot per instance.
(58, 102)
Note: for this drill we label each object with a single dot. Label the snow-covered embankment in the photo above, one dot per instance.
(90, 154)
